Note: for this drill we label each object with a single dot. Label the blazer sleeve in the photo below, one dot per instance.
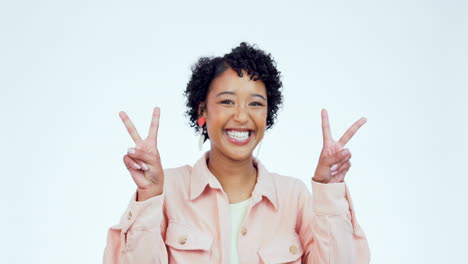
(327, 226)
(139, 236)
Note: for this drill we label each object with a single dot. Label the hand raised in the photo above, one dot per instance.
(144, 164)
(334, 160)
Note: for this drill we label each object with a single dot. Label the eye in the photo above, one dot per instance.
(227, 101)
(256, 104)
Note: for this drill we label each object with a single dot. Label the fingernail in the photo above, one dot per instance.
(131, 150)
(345, 152)
(144, 166)
(334, 172)
(136, 166)
(332, 168)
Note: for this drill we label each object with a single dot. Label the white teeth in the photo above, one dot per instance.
(237, 135)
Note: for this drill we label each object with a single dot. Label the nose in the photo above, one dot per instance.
(241, 115)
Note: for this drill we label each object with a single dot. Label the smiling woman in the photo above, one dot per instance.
(228, 208)
(235, 115)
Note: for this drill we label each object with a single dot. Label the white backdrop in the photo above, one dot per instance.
(68, 67)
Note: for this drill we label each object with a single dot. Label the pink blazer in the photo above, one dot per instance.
(284, 223)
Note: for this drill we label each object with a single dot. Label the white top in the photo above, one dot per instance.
(237, 213)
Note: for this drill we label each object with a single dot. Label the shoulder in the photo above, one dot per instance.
(180, 171)
(292, 194)
(289, 185)
(177, 177)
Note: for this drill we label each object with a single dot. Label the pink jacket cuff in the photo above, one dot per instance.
(143, 215)
(329, 199)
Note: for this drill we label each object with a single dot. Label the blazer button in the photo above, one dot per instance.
(293, 249)
(182, 240)
(243, 231)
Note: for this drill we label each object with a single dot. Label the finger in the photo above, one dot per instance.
(137, 174)
(336, 166)
(344, 166)
(131, 164)
(130, 127)
(143, 156)
(351, 131)
(154, 127)
(341, 172)
(338, 157)
(326, 132)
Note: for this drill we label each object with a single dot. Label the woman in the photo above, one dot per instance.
(228, 208)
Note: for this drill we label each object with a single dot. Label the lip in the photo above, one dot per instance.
(239, 142)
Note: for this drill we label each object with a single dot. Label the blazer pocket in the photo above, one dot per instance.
(188, 243)
(284, 248)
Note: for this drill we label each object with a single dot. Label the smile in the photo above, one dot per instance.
(239, 137)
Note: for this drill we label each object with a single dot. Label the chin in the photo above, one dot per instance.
(234, 152)
(239, 155)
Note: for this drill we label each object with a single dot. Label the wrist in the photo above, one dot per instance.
(319, 181)
(145, 194)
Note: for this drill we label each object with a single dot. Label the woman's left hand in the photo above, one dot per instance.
(334, 160)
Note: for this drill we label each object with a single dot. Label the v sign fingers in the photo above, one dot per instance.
(130, 127)
(143, 160)
(351, 131)
(331, 157)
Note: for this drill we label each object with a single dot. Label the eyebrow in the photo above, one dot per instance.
(233, 93)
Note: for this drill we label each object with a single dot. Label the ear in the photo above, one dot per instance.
(201, 109)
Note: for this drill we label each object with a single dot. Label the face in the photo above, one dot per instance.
(236, 114)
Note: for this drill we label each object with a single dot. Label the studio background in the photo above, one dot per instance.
(68, 67)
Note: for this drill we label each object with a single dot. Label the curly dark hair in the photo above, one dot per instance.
(259, 66)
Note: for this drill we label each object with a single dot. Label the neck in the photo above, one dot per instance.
(237, 177)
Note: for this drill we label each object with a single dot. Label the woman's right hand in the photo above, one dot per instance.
(145, 163)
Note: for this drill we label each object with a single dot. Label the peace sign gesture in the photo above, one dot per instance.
(143, 162)
(334, 160)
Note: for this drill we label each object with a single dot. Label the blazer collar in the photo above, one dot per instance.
(202, 176)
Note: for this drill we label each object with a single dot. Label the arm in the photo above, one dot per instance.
(327, 226)
(139, 236)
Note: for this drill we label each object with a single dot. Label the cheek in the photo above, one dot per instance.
(261, 119)
(264, 114)
(215, 120)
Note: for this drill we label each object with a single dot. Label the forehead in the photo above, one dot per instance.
(230, 81)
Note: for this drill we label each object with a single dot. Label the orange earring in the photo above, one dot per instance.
(201, 121)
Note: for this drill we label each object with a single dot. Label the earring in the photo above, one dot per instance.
(201, 122)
